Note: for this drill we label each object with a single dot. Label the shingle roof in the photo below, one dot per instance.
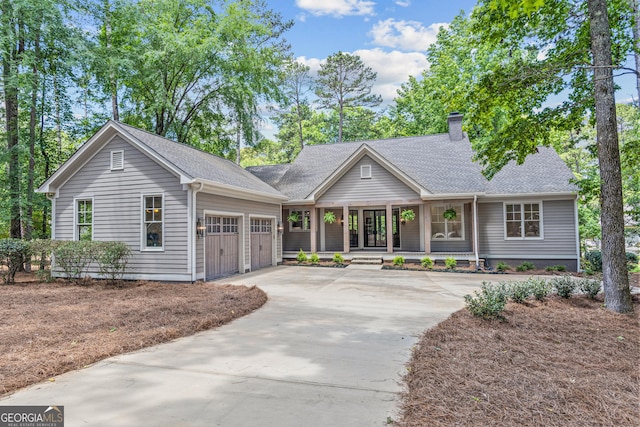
(198, 164)
(434, 162)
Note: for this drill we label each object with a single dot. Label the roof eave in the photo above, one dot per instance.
(233, 191)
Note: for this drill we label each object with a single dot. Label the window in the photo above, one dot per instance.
(153, 222)
(84, 219)
(261, 226)
(365, 171)
(522, 220)
(117, 160)
(303, 223)
(447, 228)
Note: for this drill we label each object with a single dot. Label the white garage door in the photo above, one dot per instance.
(261, 243)
(221, 247)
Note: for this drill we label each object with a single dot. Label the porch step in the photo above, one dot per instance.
(371, 260)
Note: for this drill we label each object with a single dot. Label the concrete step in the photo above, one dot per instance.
(371, 260)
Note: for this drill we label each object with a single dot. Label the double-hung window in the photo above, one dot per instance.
(153, 222)
(523, 220)
(84, 219)
(446, 226)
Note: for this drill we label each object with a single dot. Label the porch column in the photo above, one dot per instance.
(314, 230)
(345, 230)
(389, 233)
(427, 227)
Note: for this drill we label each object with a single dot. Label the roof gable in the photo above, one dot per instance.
(188, 163)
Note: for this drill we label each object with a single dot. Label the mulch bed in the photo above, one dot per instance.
(553, 363)
(47, 329)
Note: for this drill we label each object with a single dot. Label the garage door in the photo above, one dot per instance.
(261, 243)
(221, 247)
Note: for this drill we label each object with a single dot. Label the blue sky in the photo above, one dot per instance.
(391, 36)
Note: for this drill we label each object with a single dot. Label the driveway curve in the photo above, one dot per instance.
(327, 349)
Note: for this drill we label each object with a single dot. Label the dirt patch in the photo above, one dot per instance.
(554, 363)
(47, 329)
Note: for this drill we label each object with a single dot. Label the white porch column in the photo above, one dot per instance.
(389, 229)
(427, 227)
(345, 230)
(313, 229)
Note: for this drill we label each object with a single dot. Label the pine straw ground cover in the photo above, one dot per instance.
(553, 363)
(47, 329)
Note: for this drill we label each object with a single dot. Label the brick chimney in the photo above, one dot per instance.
(455, 126)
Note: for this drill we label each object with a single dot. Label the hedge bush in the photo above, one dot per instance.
(427, 262)
(488, 302)
(314, 259)
(338, 258)
(13, 254)
(399, 261)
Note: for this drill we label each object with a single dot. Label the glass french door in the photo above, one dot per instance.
(375, 228)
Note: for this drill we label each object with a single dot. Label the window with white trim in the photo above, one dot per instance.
(153, 237)
(117, 160)
(303, 222)
(444, 227)
(365, 171)
(260, 225)
(84, 219)
(523, 220)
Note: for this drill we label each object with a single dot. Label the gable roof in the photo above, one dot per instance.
(439, 166)
(188, 163)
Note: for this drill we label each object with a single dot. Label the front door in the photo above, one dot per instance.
(353, 229)
(375, 228)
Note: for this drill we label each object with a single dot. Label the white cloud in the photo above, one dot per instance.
(405, 3)
(405, 35)
(392, 68)
(337, 8)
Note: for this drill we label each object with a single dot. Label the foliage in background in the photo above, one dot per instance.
(13, 254)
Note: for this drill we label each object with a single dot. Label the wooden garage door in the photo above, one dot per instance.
(222, 243)
(261, 243)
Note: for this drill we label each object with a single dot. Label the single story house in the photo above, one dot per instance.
(188, 215)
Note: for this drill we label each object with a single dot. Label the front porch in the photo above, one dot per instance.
(412, 257)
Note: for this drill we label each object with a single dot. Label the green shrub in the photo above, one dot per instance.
(556, 268)
(519, 291)
(540, 288)
(314, 259)
(590, 287)
(112, 258)
(594, 258)
(526, 266)
(399, 261)
(565, 286)
(450, 263)
(488, 302)
(302, 257)
(13, 254)
(74, 258)
(338, 258)
(502, 266)
(427, 262)
(632, 261)
(42, 249)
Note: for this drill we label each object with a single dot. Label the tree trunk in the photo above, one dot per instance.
(636, 43)
(614, 267)
(10, 82)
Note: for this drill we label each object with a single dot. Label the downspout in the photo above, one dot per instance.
(193, 235)
(577, 219)
(475, 230)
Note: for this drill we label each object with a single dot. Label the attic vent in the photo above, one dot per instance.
(117, 160)
(365, 171)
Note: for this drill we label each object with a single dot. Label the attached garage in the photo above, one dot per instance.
(262, 240)
(222, 243)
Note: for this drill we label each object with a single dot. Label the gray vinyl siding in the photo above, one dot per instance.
(295, 240)
(559, 230)
(410, 235)
(212, 202)
(333, 233)
(117, 208)
(382, 186)
(457, 245)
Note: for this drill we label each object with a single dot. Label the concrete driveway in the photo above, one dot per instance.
(327, 349)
